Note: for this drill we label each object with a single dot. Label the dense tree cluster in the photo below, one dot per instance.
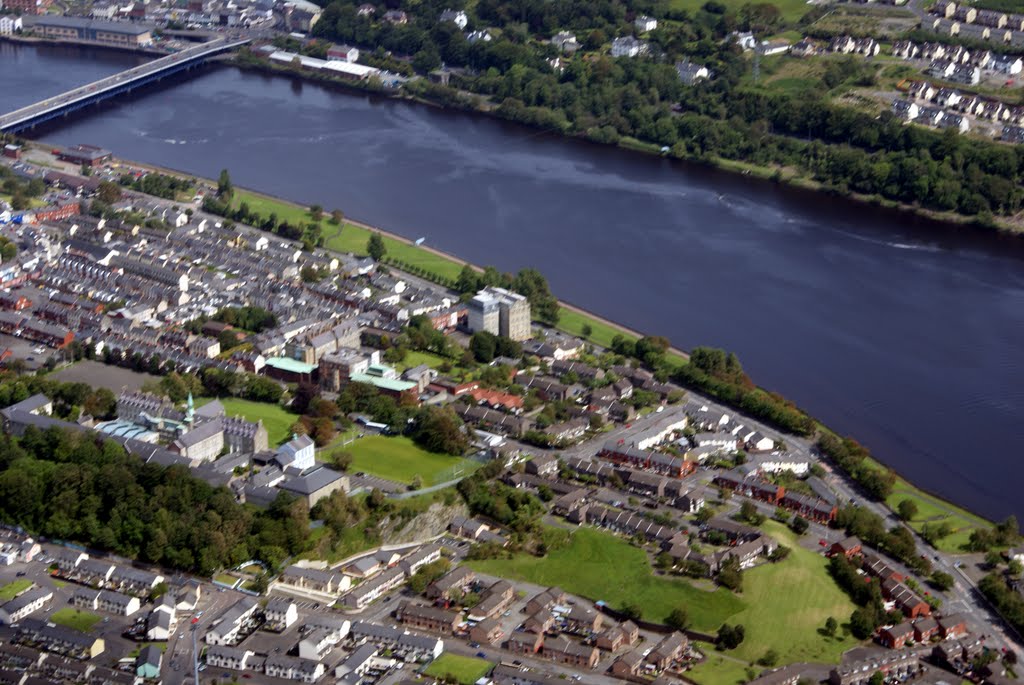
(69, 399)
(855, 460)
(159, 185)
(76, 486)
(528, 282)
(517, 509)
(1009, 602)
(20, 191)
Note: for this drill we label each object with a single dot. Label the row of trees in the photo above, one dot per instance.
(856, 461)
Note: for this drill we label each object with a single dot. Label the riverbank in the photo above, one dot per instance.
(472, 103)
(35, 40)
(352, 238)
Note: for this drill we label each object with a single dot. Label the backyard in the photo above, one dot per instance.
(400, 459)
(75, 619)
(464, 670)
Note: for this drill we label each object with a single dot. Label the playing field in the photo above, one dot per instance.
(601, 566)
(400, 459)
(76, 619)
(464, 670)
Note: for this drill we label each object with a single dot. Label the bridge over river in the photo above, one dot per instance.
(78, 98)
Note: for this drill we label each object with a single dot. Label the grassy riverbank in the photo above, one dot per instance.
(441, 266)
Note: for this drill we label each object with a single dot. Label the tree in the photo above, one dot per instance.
(375, 247)
(907, 509)
(941, 581)
(587, 330)
(678, 619)
(768, 659)
(316, 212)
(993, 559)
(730, 637)
(877, 678)
(337, 217)
(862, 623)
(108, 192)
(831, 626)
(437, 429)
(484, 346)
(799, 524)
(631, 612)
(341, 459)
(468, 280)
(224, 187)
(730, 576)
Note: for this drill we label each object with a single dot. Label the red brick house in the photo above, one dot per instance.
(925, 629)
(895, 637)
(953, 626)
(848, 547)
(525, 643)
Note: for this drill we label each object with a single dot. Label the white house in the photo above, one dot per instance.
(644, 23)
(745, 40)
(24, 604)
(9, 25)
(690, 73)
(298, 453)
(225, 630)
(1002, 64)
(628, 46)
(281, 613)
(458, 18)
(228, 657)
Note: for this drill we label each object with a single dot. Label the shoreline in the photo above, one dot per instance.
(54, 42)
(776, 175)
(958, 509)
(407, 241)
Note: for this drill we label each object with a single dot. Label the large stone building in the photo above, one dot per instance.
(108, 32)
(501, 312)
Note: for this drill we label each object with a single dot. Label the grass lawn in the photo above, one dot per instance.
(265, 206)
(600, 566)
(465, 670)
(354, 238)
(934, 510)
(400, 459)
(801, 590)
(791, 9)
(415, 358)
(75, 619)
(276, 419)
(225, 579)
(14, 588)
(601, 334)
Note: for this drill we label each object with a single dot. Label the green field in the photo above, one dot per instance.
(601, 566)
(934, 510)
(800, 590)
(791, 9)
(400, 459)
(353, 239)
(465, 670)
(415, 358)
(14, 588)
(276, 419)
(572, 322)
(286, 211)
(720, 668)
(75, 619)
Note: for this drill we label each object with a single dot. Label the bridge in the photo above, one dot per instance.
(87, 95)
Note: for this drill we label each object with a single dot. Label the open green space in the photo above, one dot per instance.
(276, 419)
(572, 322)
(801, 590)
(14, 588)
(400, 459)
(465, 670)
(76, 619)
(265, 206)
(791, 9)
(931, 509)
(415, 358)
(225, 579)
(353, 239)
(600, 566)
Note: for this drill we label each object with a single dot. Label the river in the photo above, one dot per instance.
(904, 334)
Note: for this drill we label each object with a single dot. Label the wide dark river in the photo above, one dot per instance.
(904, 334)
